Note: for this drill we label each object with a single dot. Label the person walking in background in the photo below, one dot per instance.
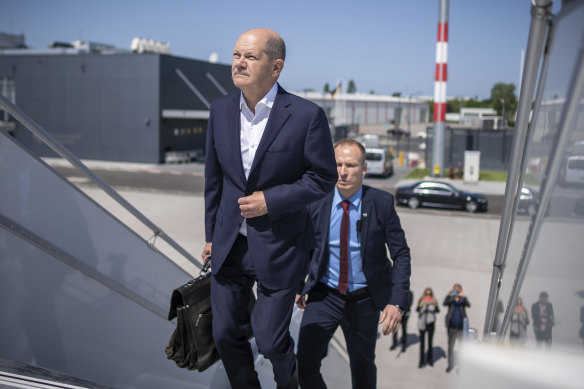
(427, 309)
(457, 303)
(269, 154)
(542, 312)
(351, 281)
(404, 326)
(581, 333)
(519, 323)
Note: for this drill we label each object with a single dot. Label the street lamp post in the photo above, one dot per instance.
(409, 134)
(503, 113)
(409, 122)
(460, 110)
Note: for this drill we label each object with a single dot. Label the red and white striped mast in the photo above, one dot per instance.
(440, 91)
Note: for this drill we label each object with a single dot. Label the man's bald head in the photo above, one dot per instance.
(272, 42)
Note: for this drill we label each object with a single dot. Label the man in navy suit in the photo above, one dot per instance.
(268, 155)
(351, 281)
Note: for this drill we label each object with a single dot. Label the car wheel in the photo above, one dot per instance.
(413, 202)
(471, 206)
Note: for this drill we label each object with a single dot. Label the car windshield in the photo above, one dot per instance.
(373, 156)
(576, 164)
(525, 193)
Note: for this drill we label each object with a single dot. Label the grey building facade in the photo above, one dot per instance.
(367, 110)
(118, 107)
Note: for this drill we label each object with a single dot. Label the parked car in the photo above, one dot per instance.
(379, 161)
(441, 195)
(369, 140)
(575, 170)
(398, 132)
(527, 201)
(579, 206)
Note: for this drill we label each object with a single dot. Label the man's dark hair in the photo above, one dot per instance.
(352, 142)
(275, 48)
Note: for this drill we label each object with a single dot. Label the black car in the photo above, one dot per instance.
(398, 132)
(441, 195)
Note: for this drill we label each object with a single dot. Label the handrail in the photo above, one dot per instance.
(54, 144)
(567, 120)
(76, 263)
(540, 11)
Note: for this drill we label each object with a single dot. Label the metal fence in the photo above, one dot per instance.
(494, 145)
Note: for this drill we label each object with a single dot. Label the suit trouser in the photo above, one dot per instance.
(453, 334)
(231, 289)
(404, 331)
(543, 337)
(430, 331)
(324, 312)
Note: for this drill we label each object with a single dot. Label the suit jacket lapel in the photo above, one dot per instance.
(278, 116)
(234, 134)
(325, 219)
(366, 207)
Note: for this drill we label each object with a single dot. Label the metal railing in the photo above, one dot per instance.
(566, 122)
(538, 33)
(54, 144)
(552, 168)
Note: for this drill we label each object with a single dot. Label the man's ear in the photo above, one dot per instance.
(278, 67)
(364, 168)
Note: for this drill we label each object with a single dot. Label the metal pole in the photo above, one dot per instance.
(540, 13)
(460, 110)
(5, 93)
(409, 134)
(503, 113)
(566, 123)
(441, 75)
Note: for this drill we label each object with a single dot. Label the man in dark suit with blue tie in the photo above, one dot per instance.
(351, 281)
(268, 155)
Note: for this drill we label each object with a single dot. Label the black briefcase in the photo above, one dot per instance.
(191, 344)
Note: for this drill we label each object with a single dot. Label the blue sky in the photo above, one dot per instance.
(386, 45)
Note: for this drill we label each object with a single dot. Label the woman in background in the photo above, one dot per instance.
(427, 309)
(519, 323)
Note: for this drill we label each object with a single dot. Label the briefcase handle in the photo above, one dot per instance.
(206, 266)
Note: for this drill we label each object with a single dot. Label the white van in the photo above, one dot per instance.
(379, 161)
(575, 170)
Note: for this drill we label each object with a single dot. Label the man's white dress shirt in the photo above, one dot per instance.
(252, 129)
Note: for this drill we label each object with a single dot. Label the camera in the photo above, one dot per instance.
(454, 293)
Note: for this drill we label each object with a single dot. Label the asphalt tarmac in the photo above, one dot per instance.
(189, 179)
(446, 247)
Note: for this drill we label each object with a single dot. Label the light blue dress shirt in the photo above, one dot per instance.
(356, 276)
